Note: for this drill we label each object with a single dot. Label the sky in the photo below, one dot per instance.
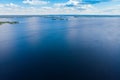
(45, 7)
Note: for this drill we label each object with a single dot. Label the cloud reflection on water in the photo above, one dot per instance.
(33, 27)
(7, 37)
(96, 33)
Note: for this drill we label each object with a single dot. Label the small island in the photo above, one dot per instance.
(58, 18)
(8, 22)
(55, 17)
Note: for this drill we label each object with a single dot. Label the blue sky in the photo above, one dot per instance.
(31, 7)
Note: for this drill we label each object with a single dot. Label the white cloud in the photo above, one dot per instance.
(35, 2)
(74, 2)
(70, 2)
(77, 4)
(8, 5)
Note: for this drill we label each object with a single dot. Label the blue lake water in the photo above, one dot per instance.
(60, 48)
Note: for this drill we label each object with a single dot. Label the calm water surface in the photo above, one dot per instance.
(76, 48)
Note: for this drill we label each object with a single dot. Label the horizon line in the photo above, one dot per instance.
(84, 15)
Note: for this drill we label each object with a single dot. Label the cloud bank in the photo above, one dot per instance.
(44, 7)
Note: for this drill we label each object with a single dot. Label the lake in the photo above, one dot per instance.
(60, 48)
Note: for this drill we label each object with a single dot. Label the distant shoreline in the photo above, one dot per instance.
(59, 15)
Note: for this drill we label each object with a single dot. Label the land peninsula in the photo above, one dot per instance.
(8, 22)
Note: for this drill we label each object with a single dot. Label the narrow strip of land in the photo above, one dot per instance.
(8, 22)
